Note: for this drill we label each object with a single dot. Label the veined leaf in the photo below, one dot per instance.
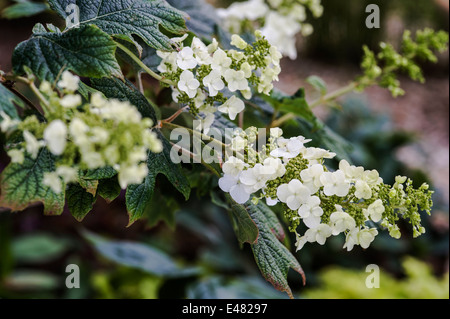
(272, 221)
(138, 197)
(98, 173)
(115, 88)
(79, 201)
(88, 51)
(8, 103)
(89, 185)
(109, 189)
(22, 185)
(272, 257)
(128, 17)
(244, 227)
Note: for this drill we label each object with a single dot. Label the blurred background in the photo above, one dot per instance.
(195, 254)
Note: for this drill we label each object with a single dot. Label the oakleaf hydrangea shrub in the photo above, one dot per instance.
(89, 132)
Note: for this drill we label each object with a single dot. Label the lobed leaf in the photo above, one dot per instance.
(22, 185)
(243, 225)
(127, 18)
(138, 197)
(79, 201)
(8, 102)
(88, 51)
(109, 189)
(272, 257)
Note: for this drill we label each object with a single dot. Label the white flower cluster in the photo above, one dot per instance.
(201, 74)
(328, 203)
(106, 133)
(279, 20)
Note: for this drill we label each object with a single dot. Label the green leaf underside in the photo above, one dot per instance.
(79, 201)
(139, 256)
(129, 17)
(88, 51)
(245, 228)
(8, 103)
(138, 197)
(22, 185)
(115, 88)
(272, 257)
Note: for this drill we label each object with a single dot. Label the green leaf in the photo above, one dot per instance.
(147, 55)
(88, 51)
(272, 221)
(28, 279)
(326, 138)
(310, 126)
(143, 18)
(162, 208)
(115, 88)
(8, 102)
(22, 185)
(242, 287)
(318, 83)
(79, 201)
(98, 173)
(138, 197)
(202, 18)
(23, 9)
(243, 225)
(294, 104)
(139, 256)
(89, 185)
(38, 248)
(109, 189)
(272, 257)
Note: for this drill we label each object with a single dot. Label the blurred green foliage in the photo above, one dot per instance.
(418, 282)
(341, 32)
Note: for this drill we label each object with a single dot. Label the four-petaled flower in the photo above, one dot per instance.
(233, 106)
(213, 81)
(236, 80)
(335, 184)
(188, 83)
(311, 212)
(294, 194)
(186, 59)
